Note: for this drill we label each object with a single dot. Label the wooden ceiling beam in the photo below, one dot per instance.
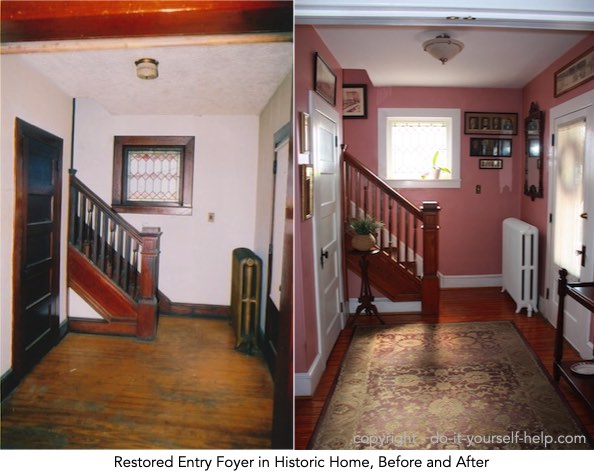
(23, 21)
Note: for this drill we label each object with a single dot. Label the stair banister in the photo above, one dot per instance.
(130, 258)
(366, 194)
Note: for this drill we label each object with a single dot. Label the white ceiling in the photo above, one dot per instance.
(492, 57)
(194, 79)
(507, 42)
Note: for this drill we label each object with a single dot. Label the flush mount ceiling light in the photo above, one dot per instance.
(146, 68)
(443, 48)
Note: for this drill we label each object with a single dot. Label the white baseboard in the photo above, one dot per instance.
(306, 382)
(470, 281)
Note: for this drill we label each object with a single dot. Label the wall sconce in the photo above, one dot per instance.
(146, 68)
(443, 48)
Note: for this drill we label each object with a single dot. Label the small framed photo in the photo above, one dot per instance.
(306, 177)
(303, 132)
(490, 123)
(324, 80)
(354, 101)
(490, 147)
(490, 163)
(574, 74)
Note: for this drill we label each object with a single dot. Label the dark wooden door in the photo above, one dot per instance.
(37, 245)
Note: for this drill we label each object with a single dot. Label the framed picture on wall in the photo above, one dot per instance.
(306, 177)
(574, 74)
(490, 147)
(324, 80)
(490, 163)
(303, 132)
(490, 123)
(354, 101)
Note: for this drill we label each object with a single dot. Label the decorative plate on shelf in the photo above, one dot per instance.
(583, 368)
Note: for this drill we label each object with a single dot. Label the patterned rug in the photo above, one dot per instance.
(445, 386)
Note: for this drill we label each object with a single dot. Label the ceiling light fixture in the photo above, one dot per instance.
(146, 68)
(443, 48)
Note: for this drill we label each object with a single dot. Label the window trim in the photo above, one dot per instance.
(119, 202)
(453, 113)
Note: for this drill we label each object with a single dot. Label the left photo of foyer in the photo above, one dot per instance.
(146, 232)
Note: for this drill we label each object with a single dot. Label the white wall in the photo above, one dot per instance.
(195, 264)
(31, 97)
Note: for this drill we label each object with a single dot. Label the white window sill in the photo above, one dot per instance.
(425, 183)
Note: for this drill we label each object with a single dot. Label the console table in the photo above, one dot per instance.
(583, 293)
(366, 297)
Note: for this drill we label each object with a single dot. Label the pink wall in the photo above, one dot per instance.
(470, 222)
(307, 42)
(470, 236)
(540, 90)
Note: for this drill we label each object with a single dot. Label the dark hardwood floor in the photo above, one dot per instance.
(189, 389)
(457, 305)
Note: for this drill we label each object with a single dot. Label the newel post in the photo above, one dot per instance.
(430, 289)
(146, 327)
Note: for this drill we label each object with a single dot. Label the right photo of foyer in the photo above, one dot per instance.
(444, 225)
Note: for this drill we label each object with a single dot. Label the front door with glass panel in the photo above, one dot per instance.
(571, 215)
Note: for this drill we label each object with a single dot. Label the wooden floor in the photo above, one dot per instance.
(186, 390)
(484, 304)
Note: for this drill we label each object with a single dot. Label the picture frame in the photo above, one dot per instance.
(490, 123)
(306, 180)
(490, 163)
(575, 73)
(324, 80)
(303, 132)
(354, 101)
(490, 147)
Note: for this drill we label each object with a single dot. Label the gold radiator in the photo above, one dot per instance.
(246, 284)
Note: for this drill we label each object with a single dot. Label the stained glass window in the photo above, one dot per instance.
(153, 174)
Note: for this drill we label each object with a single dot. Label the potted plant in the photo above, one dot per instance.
(364, 238)
(436, 170)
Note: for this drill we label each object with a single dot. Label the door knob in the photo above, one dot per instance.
(583, 254)
(584, 216)
(323, 255)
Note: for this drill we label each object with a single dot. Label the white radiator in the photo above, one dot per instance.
(520, 263)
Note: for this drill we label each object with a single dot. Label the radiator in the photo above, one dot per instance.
(520, 263)
(246, 285)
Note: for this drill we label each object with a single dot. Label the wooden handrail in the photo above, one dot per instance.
(99, 203)
(380, 184)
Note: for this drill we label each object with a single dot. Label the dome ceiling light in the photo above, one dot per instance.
(146, 68)
(443, 48)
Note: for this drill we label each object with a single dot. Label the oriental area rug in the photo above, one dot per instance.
(445, 386)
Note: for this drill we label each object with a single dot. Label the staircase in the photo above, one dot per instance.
(112, 266)
(406, 267)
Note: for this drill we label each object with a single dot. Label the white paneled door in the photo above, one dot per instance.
(326, 223)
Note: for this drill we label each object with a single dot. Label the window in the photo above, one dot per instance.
(153, 174)
(415, 143)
